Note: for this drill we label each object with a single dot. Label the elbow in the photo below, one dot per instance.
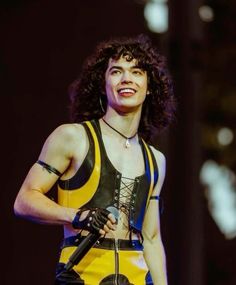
(18, 208)
(151, 240)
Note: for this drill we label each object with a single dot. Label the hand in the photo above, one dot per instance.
(95, 220)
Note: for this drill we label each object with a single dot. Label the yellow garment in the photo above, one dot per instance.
(99, 264)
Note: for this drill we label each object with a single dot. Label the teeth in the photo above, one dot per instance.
(127, 90)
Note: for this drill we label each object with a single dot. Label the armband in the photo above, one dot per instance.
(161, 202)
(155, 198)
(49, 168)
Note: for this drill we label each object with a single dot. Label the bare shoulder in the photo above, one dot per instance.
(159, 156)
(161, 164)
(67, 132)
(63, 140)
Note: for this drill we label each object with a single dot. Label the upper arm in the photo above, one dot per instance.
(57, 152)
(151, 225)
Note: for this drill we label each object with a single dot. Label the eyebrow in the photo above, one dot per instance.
(120, 68)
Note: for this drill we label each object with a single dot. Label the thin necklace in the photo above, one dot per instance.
(127, 142)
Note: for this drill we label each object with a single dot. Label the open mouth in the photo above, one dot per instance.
(126, 91)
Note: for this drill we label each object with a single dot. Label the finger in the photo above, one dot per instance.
(94, 228)
(98, 224)
(110, 225)
(101, 219)
(112, 218)
(102, 232)
(106, 229)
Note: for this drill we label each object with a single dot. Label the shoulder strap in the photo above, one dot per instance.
(151, 168)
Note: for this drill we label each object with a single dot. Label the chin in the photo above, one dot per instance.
(128, 108)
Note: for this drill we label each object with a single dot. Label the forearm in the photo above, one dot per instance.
(35, 206)
(155, 257)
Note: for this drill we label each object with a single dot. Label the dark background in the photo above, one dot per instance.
(43, 45)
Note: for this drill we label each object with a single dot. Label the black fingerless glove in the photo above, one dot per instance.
(93, 222)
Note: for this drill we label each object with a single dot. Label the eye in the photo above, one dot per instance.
(137, 71)
(115, 71)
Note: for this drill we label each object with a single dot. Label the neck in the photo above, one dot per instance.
(126, 123)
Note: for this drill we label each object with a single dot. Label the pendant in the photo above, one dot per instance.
(127, 143)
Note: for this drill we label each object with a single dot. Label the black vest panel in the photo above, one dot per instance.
(107, 192)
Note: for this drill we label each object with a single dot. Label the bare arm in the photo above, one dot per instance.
(31, 201)
(153, 247)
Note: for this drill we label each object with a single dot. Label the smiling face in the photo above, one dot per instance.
(126, 85)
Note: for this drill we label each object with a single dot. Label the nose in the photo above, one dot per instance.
(126, 77)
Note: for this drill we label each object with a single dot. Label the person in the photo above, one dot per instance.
(102, 161)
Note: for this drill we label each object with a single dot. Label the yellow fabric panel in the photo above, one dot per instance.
(78, 197)
(133, 266)
(151, 171)
(96, 265)
(100, 263)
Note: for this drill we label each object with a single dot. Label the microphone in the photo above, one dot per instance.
(87, 243)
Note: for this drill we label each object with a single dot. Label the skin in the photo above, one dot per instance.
(66, 148)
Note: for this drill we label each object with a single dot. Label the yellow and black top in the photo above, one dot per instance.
(97, 182)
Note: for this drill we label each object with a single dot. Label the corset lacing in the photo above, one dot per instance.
(125, 195)
(126, 188)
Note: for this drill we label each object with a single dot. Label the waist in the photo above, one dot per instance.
(105, 243)
(119, 233)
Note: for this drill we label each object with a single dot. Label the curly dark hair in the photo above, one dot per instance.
(88, 91)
